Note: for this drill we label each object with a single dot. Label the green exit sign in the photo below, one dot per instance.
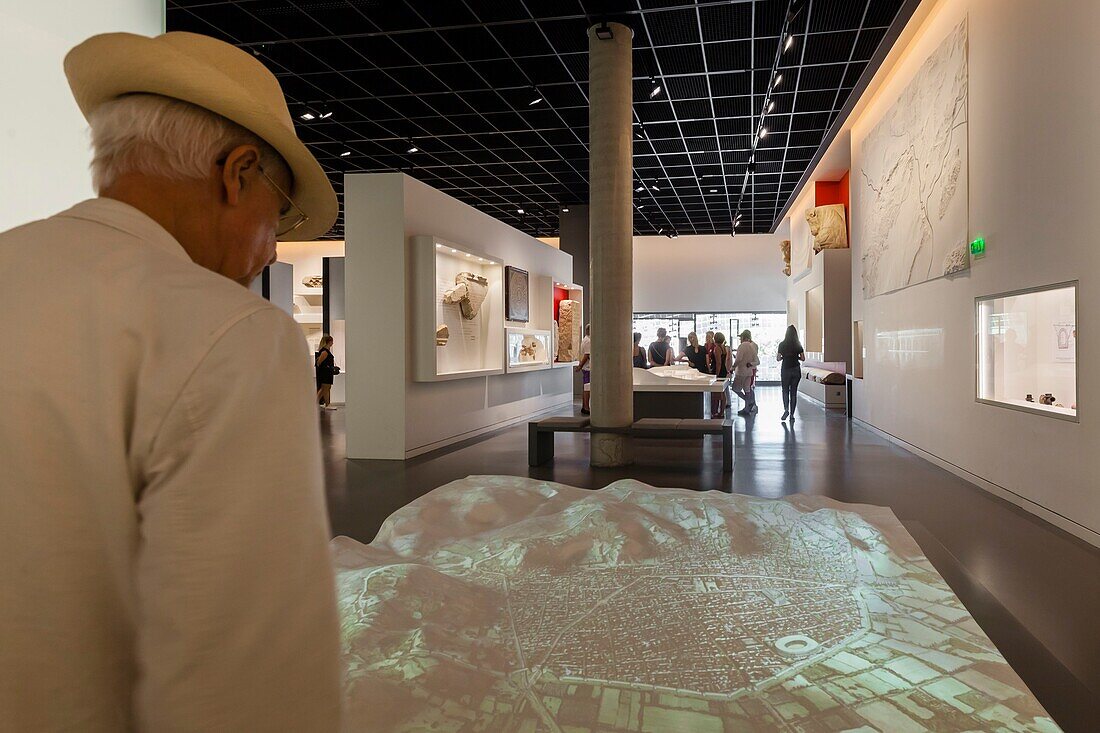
(977, 247)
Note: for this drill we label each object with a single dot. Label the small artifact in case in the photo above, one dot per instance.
(442, 334)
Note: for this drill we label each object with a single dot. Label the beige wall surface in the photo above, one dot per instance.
(1033, 161)
(709, 273)
(44, 152)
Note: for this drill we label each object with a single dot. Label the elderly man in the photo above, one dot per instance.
(745, 362)
(163, 531)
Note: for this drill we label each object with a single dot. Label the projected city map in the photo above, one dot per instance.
(499, 603)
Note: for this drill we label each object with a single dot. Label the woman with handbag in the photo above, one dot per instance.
(324, 364)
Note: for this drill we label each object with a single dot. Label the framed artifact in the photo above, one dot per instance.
(517, 291)
(529, 349)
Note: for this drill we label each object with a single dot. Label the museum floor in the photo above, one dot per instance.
(1034, 589)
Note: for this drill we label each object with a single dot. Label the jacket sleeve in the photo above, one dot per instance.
(237, 625)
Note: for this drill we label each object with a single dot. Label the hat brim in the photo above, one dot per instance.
(108, 66)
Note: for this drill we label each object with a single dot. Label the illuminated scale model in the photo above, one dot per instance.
(500, 603)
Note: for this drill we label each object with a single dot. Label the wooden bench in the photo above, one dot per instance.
(540, 434)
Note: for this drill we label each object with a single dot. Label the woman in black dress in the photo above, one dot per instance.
(722, 358)
(640, 361)
(790, 373)
(325, 365)
(695, 354)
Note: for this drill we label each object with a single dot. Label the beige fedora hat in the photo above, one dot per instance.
(213, 75)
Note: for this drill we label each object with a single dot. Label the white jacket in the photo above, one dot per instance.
(164, 557)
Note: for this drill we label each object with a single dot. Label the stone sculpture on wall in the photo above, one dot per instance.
(957, 260)
(569, 330)
(442, 335)
(828, 227)
(313, 281)
(785, 248)
(469, 292)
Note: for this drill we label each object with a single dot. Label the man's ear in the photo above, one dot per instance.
(240, 160)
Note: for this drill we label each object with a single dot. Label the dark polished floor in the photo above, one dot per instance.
(1034, 589)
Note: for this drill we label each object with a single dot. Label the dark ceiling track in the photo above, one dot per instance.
(794, 8)
(905, 12)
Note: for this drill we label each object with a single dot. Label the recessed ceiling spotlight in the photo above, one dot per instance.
(661, 230)
(565, 209)
(656, 88)
(454, 251)
(778, 81)
(655, 187)
(771, 106)
(469, 255)
(325, 115)
(307, 116)
(535, 98)
(640, 188)
(520, 211)
(640, 205)
(714, 190)
(345, 154)
(789, 43)
(763, 132)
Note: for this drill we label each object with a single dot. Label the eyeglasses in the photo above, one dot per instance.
(291, 217)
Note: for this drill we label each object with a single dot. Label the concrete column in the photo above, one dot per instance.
(611, 231)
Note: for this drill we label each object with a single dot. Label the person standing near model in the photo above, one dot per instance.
(163, 532)
(745, 362)
(722, 358)
(638, 353)
(791, 354)
(709, 345)
(695, 354)
(585, 368)
(660, 351)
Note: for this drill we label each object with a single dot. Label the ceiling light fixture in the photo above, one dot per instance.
(640, 188)
(674, 234)
(778, 81)
(345, 154)
(603, 32)
(307, 116)
(656, 88)
(771, 106)
(536, 98)
(789, 43)
(412, 147)
(655, 188)
(763, 132)
(565, 209)
(520, 211)
(714, 190)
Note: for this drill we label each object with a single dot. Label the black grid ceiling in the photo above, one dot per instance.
(455, 79)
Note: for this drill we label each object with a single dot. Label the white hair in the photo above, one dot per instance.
(165, 137)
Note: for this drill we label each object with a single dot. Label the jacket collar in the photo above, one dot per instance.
(126, 218)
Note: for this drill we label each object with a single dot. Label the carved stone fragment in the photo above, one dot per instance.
(313, 281)
(469, 292)
(828, 227)
(785, 248)
(957, 260)
(569, 330)
(442, 334)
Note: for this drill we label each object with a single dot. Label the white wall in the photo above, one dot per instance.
(709, 273)
(44, 151)
(389, 415)
(1033, 165)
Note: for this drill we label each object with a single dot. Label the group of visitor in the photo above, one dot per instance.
(738, 367)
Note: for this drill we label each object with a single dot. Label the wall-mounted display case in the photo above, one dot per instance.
(458, 311)
(529, 349)
(568, 318)
(1027, 350)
